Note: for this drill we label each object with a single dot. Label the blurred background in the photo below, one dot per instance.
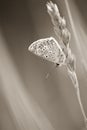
(29, 98)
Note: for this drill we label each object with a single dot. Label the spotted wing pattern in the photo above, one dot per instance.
(49, 49)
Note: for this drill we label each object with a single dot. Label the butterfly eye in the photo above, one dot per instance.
(57, 64)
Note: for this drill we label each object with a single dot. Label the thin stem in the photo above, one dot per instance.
(80, 103)
(74, 79)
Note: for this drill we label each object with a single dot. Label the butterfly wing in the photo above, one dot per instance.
(48, 49)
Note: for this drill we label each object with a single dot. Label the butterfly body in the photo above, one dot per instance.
(48, 49)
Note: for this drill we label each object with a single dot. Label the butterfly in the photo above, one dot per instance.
(48, 49)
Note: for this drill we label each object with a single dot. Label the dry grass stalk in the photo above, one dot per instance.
(63, 35)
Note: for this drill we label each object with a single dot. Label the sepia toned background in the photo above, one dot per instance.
(34, 94)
